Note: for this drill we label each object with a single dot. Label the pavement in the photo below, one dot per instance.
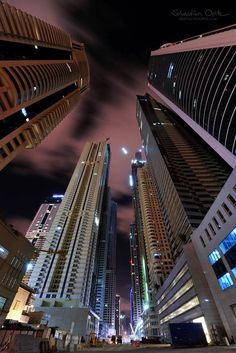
(128, 348)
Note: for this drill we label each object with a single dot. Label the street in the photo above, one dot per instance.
(125, 348)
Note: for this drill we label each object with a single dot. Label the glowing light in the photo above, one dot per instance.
(68, 67)
(29, 267)
(96, 220)
(57, 196)
(124, 150)
(24, 112)
(131, 182)
(36, 47)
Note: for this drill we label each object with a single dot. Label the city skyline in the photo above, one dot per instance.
(47, 166)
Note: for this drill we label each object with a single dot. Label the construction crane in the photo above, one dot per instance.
(49, 251)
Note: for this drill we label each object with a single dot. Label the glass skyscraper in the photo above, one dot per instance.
(196, 79)
(188, 174)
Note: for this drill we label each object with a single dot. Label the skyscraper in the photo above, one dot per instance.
(188, 174)
(196, 79)
(117, 314)
(152, 257)
(136, 308)
(63, 283)
(110, 284)
(103, 290)
(39, 228)
(42, 75)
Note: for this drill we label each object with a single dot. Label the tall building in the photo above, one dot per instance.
(103, 290)
(117, 314)
(39, 228)
(154, 260)
(188, 173)
(15, 253)
(110, 284)
(215, 244)
(135, 293)
(63, 282)
(158, 254)
(42, 75)
(196, 79)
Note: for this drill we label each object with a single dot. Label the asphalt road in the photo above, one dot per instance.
(161, 349)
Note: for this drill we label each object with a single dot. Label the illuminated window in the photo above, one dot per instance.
(2, 302)
(225, 281)
(187, 306)
(214, 256)
(228, 242)
(3, 252)
(177, 295)
(16, 305)
(170, 70)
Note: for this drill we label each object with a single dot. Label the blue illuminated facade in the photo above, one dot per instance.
(228, 249)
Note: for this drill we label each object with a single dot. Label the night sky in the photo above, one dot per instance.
(118, 37)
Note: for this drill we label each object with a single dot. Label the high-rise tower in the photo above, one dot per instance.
(64, 282)
(42, 75)
(110, 284)
(188, 174)
(136, 308)
(151, 259)
(103, 290)
(196, 79)
(117, 314)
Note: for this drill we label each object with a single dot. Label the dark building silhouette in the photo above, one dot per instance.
(188, 173)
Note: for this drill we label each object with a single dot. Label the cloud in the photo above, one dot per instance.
(20, 223)
(124, 304)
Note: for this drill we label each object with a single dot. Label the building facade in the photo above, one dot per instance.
(215, 244)
(188, 174)
(39, 228)
(42, 75)
(158, 254)
(135, 293)
(110, 284)
(186, 297)
(103, 290)
(63, 282)
(151, 259)
(196, 79)
(117, 314)
(15, 253)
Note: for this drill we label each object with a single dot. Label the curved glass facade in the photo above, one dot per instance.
(202, 84)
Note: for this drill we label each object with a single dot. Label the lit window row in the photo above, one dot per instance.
(228, 248)
(188, 285)
(182, 309)
(174, 282)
